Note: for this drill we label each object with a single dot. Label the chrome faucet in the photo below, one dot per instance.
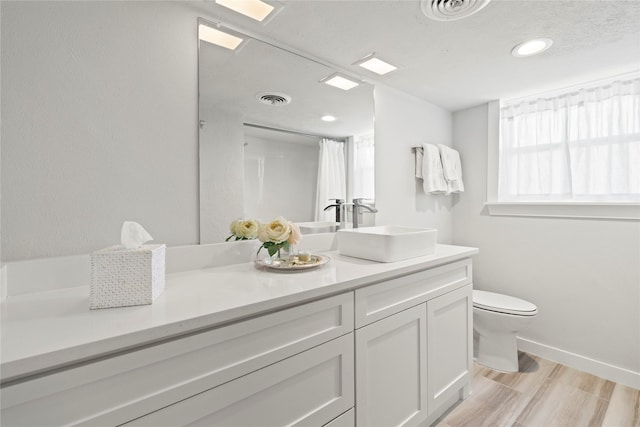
(338, 205)
(357, 206)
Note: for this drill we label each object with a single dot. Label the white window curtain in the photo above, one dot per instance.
(332, 181)
(582, 145)
(363, 167)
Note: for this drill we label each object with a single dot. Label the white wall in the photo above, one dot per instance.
(403, 121)
(281, 179)
(99, 106)
(584, 275)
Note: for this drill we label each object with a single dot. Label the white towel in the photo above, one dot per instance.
(452, 169)
(432, 175)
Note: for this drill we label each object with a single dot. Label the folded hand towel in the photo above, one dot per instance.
(452, 169)
(432, 174)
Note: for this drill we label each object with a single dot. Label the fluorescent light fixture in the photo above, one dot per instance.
(340, 81)
(328, 118)
(377, 65)
(531, 47)
(254, 9)
(217, 37)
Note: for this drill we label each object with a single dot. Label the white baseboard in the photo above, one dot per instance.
(582, 363)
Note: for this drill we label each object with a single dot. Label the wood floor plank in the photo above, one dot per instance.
(624, 408)
(586, 382)
(544, 394)
(490, 404)
(560, 405)
(533, 373)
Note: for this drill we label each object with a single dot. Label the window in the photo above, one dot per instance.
(576, 145)
(363, 167)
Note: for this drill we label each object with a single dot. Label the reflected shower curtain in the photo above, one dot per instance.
(332, 181)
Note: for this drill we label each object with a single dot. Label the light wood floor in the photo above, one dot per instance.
(544, 394)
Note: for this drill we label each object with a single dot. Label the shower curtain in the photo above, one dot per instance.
(332, 181)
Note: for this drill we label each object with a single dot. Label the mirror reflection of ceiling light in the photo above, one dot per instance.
(217, 37)
(531, 47)
(340, 81)
(328, 118)
(377, 65)
(254, 9)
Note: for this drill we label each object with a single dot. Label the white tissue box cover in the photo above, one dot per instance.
(122, 277)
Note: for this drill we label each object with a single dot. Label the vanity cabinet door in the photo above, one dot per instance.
(309, 389)
(450, 341)
(391, 370)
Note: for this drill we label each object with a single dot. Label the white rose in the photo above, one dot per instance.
(247, 229)
(277, 231)
(233, 227)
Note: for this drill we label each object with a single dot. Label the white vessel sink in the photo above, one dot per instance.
(317, 227)
(388, 243)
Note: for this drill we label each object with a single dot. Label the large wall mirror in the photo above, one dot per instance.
(264, 149)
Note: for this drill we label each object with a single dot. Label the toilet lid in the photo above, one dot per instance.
(503, 303)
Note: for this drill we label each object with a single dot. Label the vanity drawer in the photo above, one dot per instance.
(383, 299)
(120, 388)
(309, 389)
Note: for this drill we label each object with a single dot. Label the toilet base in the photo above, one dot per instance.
(498, 352)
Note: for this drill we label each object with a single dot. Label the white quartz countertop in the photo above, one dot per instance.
(52, 329)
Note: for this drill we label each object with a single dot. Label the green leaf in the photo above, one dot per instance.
(273, 249)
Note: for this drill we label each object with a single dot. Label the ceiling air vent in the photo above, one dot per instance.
(273, 98)
(450, 10)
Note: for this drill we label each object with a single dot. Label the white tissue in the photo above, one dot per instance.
(133, 235)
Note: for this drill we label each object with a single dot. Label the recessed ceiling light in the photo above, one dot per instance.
(328, 118)
(377, 65)
(254, 9)
(340, 81)
(217, 37)
(531, 47)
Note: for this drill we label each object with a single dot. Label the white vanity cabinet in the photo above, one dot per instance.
(304, 352)
(392, 347)
(414, 348)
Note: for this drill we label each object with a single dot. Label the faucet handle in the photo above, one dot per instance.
(338, 201)
(359, 200)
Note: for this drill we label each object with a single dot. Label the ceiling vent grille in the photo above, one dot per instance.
(273, 98)
(450, 10)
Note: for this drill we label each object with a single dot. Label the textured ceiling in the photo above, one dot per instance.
(459, 64)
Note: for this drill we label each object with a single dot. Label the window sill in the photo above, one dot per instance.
(624, 211)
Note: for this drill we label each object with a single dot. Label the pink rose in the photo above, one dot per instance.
(296, 235)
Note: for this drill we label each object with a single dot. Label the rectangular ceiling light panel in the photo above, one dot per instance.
(376, 65)
(254, 9)
(341, 82)
(217, 37)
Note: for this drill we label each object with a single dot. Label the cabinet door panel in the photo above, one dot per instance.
(450, 341)
(311, 388)
(391, 370)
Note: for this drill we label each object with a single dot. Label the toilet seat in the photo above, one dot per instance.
(503, 304)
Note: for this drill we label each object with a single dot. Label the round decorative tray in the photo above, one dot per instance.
(293, 264)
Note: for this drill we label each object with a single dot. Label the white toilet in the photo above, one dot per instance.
(497, 319)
